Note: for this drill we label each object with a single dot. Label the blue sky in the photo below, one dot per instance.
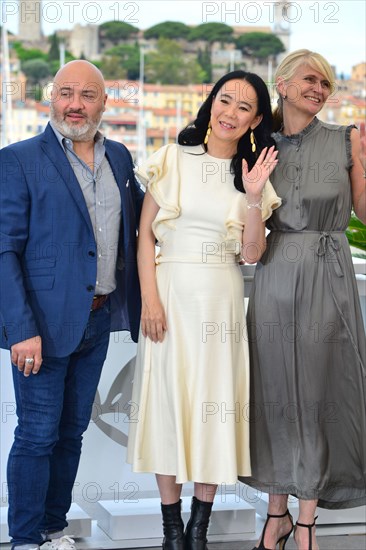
(334, 29)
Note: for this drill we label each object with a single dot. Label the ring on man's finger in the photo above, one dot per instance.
(29, 360)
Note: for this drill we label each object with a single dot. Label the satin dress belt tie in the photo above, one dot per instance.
(328, 247)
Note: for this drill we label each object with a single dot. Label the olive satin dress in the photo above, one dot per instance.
(307, 338)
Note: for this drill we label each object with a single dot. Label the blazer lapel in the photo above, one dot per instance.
(118, 169)
(117, 163)
(53, 150)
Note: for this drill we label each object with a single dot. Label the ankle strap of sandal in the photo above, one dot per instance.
(287, 513)
(309, 526)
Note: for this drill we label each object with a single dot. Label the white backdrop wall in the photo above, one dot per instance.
(103, 471)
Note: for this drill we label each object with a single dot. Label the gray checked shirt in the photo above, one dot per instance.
(103, 201)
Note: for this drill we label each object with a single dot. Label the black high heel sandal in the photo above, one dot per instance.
(282, 540)
(309, 527)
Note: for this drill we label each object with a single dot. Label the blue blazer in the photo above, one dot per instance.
(48, 256)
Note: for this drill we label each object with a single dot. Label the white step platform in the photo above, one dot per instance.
(343, 521)
(80, 524)
(139, 523)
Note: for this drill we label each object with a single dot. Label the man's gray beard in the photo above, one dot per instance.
(75, 133)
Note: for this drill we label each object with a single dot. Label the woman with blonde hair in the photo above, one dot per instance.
(307, 341)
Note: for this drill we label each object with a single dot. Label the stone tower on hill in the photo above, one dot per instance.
(30, 21)
(283, 17)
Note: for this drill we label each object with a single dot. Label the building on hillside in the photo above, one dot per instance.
(29, 119)
(359, 72)
(90, 41)
(282, 26)
(120, 122)
(106, 44)
(16, 84)
(157, 137)
(161, 118)
(165, 111)
(358, 77)
(185, 98)
(30, 21)
(84, 42)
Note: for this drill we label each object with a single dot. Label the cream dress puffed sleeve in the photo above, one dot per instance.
(238, 213)
(160, 174)
(270, 201)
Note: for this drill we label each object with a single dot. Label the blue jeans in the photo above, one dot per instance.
(54, 409)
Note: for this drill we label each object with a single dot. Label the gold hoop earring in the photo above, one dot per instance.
(253, 142)
(207, 133)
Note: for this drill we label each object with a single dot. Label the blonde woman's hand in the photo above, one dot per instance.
(254, 181)
(153, 322)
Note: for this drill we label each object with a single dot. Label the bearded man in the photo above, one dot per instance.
(69, 212)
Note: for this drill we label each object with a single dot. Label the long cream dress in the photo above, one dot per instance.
(191, 392)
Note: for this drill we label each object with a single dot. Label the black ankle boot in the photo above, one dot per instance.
(196, 530)
(172, 526)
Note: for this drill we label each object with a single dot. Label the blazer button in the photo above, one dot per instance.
(91, 253)
(90, 288)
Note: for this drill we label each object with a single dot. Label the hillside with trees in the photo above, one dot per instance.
(175, 53)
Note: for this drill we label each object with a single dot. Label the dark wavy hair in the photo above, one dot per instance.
(195, 132)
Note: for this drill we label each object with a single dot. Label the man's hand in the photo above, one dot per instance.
(27, 355)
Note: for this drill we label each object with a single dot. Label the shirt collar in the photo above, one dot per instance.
(63, 141)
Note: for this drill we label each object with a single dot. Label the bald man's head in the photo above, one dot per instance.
(79, 68)
(78, 100)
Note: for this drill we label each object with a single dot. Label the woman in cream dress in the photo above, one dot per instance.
(206, 204)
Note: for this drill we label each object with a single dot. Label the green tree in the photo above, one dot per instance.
(54, 51)
(36, 70)
(116, 31)
(169, 66)
(26, 54)
(211, 32)
(260, 45)
(168, 29)
(112, 68)
(204, 59)
(126, 60)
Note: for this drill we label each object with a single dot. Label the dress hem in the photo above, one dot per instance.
(181, 480)
(322, 502)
